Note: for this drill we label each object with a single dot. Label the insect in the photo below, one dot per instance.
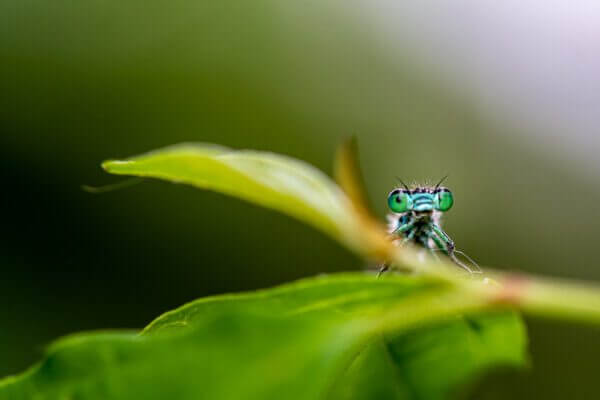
(416, 217)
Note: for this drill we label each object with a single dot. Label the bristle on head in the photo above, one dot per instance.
(417, 187)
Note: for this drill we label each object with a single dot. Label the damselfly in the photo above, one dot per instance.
(416, 218)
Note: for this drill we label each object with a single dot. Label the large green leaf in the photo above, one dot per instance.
(348, 336)
(271, 180)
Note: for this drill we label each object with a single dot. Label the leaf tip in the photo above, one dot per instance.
(113, 165)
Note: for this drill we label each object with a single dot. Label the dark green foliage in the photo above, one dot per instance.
(346, 336)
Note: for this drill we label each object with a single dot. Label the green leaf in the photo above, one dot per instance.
(347, 336)
(431, 362)
(271, 180)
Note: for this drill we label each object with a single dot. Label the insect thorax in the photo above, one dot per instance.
(421, 220)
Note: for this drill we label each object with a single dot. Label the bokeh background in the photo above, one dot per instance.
(503, 96)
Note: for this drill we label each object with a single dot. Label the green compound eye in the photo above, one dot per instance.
(399, 201)
(443, 199)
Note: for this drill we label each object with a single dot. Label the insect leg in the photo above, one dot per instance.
(470, 260)
(438, 242)
(385, 266)
(409, 237)
(449, 246)
(440, 245)
(405, 227)
(443, 236)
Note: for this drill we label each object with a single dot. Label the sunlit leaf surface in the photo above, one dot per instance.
(271, 180)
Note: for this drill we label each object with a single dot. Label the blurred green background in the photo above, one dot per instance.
(85, 81)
